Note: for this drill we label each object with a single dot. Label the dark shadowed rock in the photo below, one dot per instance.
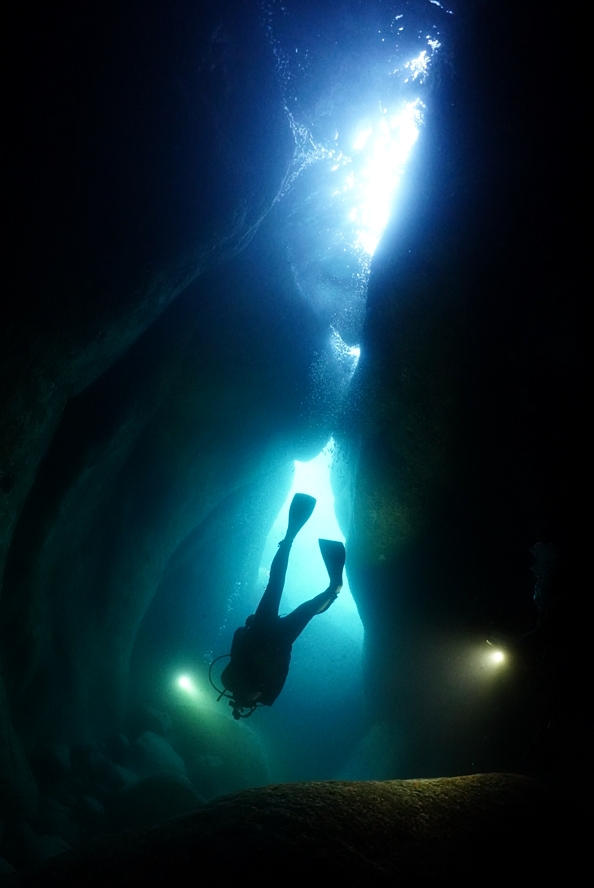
(114, 777)
(54, 819)
(22, 847)
(152, 754)
(51, 765)
(117, 747)
(470, 443)
(153, 800)
(146, 718)
(417, 831)
(90, 813)
(5, 867)
(87, 758)
(133, 174)
(18, 788)
(222, 755)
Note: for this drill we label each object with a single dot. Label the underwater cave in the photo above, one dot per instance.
(260, 248)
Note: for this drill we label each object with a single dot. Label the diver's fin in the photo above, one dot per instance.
(302, 506)
(334, 556)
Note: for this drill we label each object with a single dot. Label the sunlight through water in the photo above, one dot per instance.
(354, 101)
(307, 575)
(385, 146)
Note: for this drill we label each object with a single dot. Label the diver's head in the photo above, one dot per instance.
(240, 706)
(246, 698)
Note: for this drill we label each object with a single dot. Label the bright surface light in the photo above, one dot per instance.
(418, 67)
(362, 138)
(497, 657)
(381, 148)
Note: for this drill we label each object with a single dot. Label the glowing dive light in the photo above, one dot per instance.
(186, 684)
(495, 657)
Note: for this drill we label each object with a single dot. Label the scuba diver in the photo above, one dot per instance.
(261, 650)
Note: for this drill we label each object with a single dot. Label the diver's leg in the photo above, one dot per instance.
(301, 508)
(270, 602)
(294, 623)
(334, 555)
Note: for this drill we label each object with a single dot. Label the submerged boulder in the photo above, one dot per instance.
(221, 755)
(152, 754)
(153, 800)
(417, 830)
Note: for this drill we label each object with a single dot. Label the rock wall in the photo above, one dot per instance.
(468, 423)
(138, 134)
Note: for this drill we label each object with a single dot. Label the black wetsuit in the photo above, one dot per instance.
(261, 650)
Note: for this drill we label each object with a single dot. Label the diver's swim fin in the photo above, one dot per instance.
(334, 556)
(302, 506)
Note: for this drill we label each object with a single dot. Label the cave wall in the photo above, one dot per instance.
(205, 403)
(468, 422)
(138, 135)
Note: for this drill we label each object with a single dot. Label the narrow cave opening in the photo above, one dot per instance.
(354, 133)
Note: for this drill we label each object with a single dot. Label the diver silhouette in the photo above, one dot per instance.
(261, 650)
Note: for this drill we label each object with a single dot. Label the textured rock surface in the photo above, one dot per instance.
(417, 832)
